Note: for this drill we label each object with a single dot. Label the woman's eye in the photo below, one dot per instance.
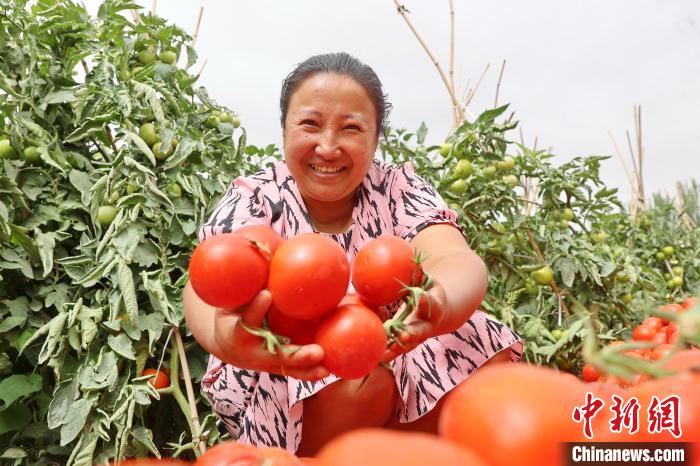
(353, 127)
(309, 123)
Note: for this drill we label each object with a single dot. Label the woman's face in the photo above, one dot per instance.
(329, 137)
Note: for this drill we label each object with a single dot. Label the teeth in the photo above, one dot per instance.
(322, 169)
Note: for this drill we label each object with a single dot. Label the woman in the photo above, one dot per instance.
(333, 111)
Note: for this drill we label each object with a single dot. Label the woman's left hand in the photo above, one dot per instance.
(421, 324)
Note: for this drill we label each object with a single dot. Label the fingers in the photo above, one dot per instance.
(312, 373)
(299, 356)
(255, 312)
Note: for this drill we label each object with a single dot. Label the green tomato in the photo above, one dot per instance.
(147, 56)
(660, 256)
(600, 237)
(458, 187)
(670, 283)
(124, 75)
(225, 117)
(489, 171)
(174, 190)
(160, 155)
(564, 223)
(558, 333)
(444, 149)
(677, 281)
(667, 276)
(511, 180)
(568, 214)
(105, 214)
(6, 149)
(114, 197)
(626, 298)
(147, 132)
(667, 250)
(507, 163)
(236, 122)
(168, 57)
(463, 169)
(623, 277)
(212, 121)
(678, 271)
(543, 276)
(459, 152)
(31, 154)
(131, 188)
(531, 288)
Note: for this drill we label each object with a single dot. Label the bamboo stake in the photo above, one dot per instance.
(402, 11)
(196, 27)
(640, 153)
(472, 93)
(190, 392)
(622, 160)
(153, 7)
(498, 85)
(455, 110)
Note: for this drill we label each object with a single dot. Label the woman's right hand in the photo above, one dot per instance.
(243, 349)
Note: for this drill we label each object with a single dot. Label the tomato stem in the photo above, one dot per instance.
(271, 340)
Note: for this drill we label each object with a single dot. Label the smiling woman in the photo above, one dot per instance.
(333, 111)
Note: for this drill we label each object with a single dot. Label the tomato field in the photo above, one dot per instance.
(111, 156)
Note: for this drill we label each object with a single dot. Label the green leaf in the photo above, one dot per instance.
(11, 322)
(145, 437)
(46, 242)
(182, 152)
(76, 420)
(60, 97)
(14, 418)
(125, 279)
(141, 144)
(80, 180)
(421, 133)
(55, 334)
(121, 344)
(17, 386)
(567, 269)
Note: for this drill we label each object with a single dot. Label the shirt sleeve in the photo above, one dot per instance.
(416, 204)
(243, 204)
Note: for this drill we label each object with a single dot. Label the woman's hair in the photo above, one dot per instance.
(345, 65)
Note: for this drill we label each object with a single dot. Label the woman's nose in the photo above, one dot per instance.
(327, 144)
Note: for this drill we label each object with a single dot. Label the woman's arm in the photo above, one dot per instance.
(457, 269)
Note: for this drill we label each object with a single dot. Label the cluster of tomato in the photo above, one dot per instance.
(308, 277)
(660, 335)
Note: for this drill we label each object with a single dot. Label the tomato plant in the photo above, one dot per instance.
(227, 270)
(383, 269)
(353, 340)
(309, 275)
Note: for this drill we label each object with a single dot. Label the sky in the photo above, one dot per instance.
(574, 70)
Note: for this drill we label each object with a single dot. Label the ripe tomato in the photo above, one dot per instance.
(309, 275)
(227, 270)
(685, 360)
(300, 332)
(267, 239)
(383, 268)
(671, 309)
(505, 414)
(241, 454)
(644, 332)
(655, 322)
(660, 338)
(690, 302)
(384, 447)
(661, 351)
(161, 379)
(353, 340)
(590, 373)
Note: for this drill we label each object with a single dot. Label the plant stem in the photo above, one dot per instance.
(190, 392)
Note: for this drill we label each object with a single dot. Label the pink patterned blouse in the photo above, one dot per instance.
(267, 409)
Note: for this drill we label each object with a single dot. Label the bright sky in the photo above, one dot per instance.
(573, 70)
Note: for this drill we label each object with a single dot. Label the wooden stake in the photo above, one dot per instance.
(498, 85)
(622, 160)
(402, 11)
(153, 7)
(472, 92)
(196, 26)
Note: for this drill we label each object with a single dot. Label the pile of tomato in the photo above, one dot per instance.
(308, 277)
(660, 342)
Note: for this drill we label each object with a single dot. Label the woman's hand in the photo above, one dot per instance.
(243, 349)
(423, 323)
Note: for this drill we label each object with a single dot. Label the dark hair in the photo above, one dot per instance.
(342, 64)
